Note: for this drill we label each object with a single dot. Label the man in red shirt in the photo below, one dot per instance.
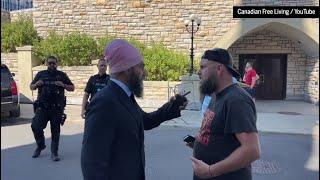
(250, 78)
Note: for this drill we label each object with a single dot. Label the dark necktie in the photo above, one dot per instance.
(132, 99)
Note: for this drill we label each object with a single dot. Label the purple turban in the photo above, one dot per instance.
(121, 55)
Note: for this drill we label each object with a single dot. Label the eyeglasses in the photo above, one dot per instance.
(52, 63)
(102, 65)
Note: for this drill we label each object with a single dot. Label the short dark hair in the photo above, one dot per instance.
(101, 59)
(52, 57)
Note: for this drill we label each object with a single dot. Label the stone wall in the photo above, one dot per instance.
(156, 20)
(14, 15)
(312, 80)
(146, 20)
(5, 16)
(79, 75)
(279, 3)
(155, 92)
(268, 42)
(11, 60)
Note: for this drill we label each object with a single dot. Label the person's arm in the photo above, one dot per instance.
(36, 85)
(84, 104)
(240, 121)
(98, 138)
(36, 82)
(68, 85)
(243, 156)
(87, 92)
(168, 111)
(244, 77)
(253, 74)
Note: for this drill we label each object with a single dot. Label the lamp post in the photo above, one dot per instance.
(195, 21)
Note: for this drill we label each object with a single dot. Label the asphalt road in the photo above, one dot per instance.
(284, 156)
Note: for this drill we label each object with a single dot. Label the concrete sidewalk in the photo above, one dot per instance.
(294, 117)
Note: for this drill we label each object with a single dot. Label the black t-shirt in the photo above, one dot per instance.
(96, 83)
(232, 112)
(49, 92)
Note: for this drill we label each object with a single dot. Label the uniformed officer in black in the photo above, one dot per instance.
(95, 84)
(49, 105)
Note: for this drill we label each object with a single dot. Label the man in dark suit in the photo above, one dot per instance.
(113, 140)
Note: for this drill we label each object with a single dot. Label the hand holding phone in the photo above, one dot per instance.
(189, 140)
(181, 99)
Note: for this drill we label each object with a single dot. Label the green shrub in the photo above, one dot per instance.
(162, 63)
(18, 33)
(102, 43)
(74, 49)
(52, 45)
(78, 49)
(142, 47)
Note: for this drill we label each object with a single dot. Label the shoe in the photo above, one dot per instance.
(38, 151)
(55, 157)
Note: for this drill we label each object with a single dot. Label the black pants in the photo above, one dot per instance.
(39, 122)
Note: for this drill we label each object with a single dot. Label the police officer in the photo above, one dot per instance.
(49, 105)
(95, 84)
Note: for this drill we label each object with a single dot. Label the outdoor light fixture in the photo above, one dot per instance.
(195, 21)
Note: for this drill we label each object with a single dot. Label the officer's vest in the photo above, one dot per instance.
(50, 92)
(98, 84)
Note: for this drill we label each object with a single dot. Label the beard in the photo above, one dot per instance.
(52, 69)
(135, 84)
(208, 86)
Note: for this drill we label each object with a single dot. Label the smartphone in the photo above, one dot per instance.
(180, 98)
(186, 93)
(189, 139)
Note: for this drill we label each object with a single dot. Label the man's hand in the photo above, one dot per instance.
(181, 100)
(200, 168)
(60, 83)
(39, 83)
(190, 144)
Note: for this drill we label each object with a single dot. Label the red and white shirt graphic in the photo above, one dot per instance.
(204, 134)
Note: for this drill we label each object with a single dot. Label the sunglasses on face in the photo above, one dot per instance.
(102, 65)
(52, 63)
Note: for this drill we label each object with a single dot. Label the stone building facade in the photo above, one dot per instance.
(264, 41)
(159, 20)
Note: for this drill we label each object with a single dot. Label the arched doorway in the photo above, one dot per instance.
(285, 51)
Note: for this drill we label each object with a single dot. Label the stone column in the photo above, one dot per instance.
(191, 83)
(25, 63)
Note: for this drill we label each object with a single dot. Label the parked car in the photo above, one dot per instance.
(10, 103)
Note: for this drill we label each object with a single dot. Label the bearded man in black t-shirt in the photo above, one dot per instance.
(227, 142)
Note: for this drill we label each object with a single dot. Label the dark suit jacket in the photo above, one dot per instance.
(113, 140)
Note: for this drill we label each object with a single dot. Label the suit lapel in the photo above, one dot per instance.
(132, 107)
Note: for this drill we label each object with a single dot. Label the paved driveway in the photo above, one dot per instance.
(284, 157)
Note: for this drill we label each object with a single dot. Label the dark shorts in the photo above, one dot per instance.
(252, 91)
